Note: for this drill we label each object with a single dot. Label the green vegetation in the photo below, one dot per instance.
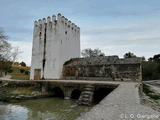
(5, 66)
(146, 89)
(151, 68)
(23, 64)
(150, 93)
(21, 70)
(18, 74)
(70, 61)
(67, 62)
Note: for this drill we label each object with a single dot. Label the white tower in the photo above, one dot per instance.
(54, 42)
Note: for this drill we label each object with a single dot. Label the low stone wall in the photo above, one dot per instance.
(103, 68)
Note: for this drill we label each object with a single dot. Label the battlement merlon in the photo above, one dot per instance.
(54, 20)
(44, 21)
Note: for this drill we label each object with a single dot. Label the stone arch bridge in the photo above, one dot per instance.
(87, 92)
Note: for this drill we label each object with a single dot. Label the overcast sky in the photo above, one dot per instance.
(114, 26)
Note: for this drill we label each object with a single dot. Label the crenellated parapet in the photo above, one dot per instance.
(55, 21)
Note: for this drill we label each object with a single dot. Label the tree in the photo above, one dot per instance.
(143, 58)
(129, 55)
(92, 52)
(156, 58)
(5, 53)
(15, 53)
(150, 70)
(23, 64)
(5, 47)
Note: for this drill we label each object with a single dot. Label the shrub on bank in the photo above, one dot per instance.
(22, 70)
(150, 70)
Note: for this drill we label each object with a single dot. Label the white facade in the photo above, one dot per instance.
(54, 42)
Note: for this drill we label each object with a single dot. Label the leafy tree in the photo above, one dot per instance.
(129, 55)
(156, 58)
(150, 70)
(23, 64)
(92, 52)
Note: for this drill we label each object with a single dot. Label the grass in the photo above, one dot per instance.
(155, 97)
(146, 89)
(17, 75)
(151, 94)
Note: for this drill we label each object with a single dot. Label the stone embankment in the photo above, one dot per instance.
(121, 104)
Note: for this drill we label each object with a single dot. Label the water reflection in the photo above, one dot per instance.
(42, 109)
(13, 112)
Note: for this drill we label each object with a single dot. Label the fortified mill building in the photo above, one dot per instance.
(56, 55)
(54, 42)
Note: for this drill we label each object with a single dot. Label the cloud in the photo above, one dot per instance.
(114, 26)
(142, 39)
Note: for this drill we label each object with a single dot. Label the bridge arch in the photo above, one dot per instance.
(58, 92)
(75, 94)
(100, 93)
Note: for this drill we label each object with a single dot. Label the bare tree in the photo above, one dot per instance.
(5, 54)
(92, 52)
(15, 52)
(5, 47)
(2, 36)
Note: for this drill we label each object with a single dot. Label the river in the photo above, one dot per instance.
(42, 109)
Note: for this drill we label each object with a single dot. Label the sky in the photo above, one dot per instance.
(114, 26)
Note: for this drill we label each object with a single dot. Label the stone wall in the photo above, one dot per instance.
(103, 68)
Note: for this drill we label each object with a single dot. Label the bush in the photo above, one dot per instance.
(27, 72)
(10, 71)
(67, 62)
(21, 70)
(150, 70)
(5, 66)
(23, 64)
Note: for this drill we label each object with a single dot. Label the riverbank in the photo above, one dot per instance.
(21, 102)
(16, 91)
(123, 100)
